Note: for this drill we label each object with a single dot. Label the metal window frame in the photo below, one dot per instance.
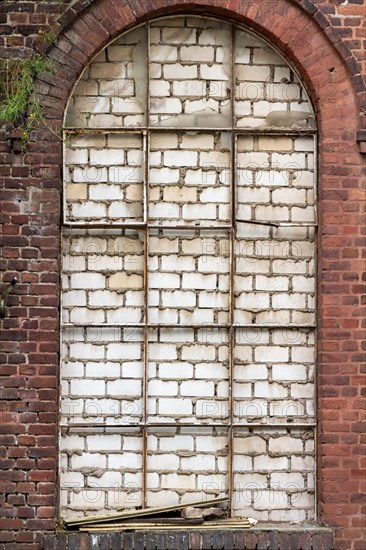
(144, 426)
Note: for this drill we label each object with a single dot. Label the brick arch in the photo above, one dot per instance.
(299, 35)
(296, 27)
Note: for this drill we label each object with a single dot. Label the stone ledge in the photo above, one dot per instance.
(262, 537)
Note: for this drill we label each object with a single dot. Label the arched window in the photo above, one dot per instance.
(188, 276)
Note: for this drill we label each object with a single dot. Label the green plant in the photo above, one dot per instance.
(49, 37)
(18, 96)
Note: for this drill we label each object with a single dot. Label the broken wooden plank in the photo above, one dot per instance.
(139, 513)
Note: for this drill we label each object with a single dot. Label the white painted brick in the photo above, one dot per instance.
(76, 156)
(166, 105)
(163, 141)
(211, 371)
(197, 141)
(285, 445)
(102, 370)
(177, 442)
(179, 36)
(104, 298)
(289, 196)
(199, 281)
(157, 387)
(198, 352)
(163, 53)
(176, 263)
(121, 105)
(103, 442)
(271, 354)
(175, 407)
(189, 88)
(303, 354)
(271, 283)
(86, 315)
(250, 372)
(289, 161)
(256, 300)
(267, 143)
(266, 463)
(87, 387)
(286, 408)
(83, 350)
(74, 298)
(301, 391)
(197, 388)
(180, 158)
(180, 72)
(90, 174)
(89, 210)
(107, 479)
(198, 463)
(124, 387)
(178, 481)
(214, 37)
(272, 213)
(124, 281)
(163, 462)
(209, 264)
(287, 265)
(178, 299)
(164, 210)
(198, 211)
(213, 299)
(180, 194)
(215, 71)
(175, 370)
(302, 463)
(287, 481)
(242, 463)
(106, 156)
(197, 53)
(164, 280)
(288, 372)
(162, 352)
(242, 390)
(159, 88)
(121, 53)
(290, 301)
(254, 73)
(87, 460)
(123, 350)
(303, 214)
(251, 445)
(269, 500)
(269, 390)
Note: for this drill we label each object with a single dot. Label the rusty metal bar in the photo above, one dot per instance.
(146, 285)
(143, 225)
(177, 425)
(139, 130)
(170, 129)
(185, 227)
(235, 326)
(232, 274)
(188, 227)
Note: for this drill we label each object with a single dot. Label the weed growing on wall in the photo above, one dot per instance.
(19, 104)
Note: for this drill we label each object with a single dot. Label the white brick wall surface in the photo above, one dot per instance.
(183, 175)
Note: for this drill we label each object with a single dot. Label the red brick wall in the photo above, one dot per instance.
(324, 40)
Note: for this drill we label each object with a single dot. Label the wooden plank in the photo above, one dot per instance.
(140, 513)
(147, 527)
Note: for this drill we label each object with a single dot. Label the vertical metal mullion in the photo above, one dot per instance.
(316, 304)
(146, 142)
(232, 270)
